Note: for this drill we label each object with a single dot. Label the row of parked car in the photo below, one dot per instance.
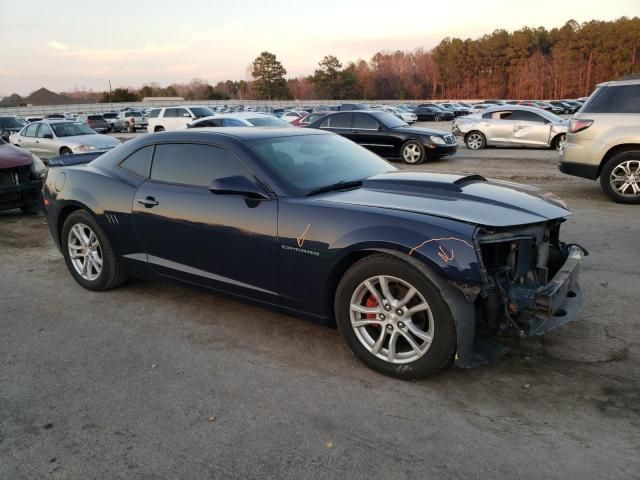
(387, 131)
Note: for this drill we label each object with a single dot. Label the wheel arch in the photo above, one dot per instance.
(461, 307)
(67, 210)
(613, 151)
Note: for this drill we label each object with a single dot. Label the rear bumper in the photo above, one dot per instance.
(583, 170)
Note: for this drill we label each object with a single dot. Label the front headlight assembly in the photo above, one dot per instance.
(85, 148)
(437, 140)
(37, 166)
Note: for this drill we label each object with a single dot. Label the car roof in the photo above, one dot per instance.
(619, 83)
(244, 133)
(53, 121)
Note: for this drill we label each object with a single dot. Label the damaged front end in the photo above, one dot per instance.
(531, 279)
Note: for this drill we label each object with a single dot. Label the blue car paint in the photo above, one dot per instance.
(287, 252)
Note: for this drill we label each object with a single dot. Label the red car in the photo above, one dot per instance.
(307, 119)
(21, 176)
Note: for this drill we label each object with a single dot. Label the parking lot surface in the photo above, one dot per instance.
(161, 381)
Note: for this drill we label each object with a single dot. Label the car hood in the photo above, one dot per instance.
(11, 157)
(470, 199)
(97, 140)
(419, 131)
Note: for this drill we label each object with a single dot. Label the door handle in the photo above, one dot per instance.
(147, 202)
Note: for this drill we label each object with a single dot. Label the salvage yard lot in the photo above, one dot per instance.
(160, 381)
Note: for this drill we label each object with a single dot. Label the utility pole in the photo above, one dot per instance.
(110, 91)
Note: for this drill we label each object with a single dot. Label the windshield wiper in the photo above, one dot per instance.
(342, 185)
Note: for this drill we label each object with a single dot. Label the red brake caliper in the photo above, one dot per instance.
(371, 303)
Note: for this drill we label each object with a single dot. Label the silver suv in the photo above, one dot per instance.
(604, 140)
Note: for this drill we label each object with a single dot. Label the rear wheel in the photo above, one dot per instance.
(559, 141)
(88, 253)
(158, 129)
(394, 319)
(620, 177)
(475, 140)
(413, 152)
(31, 209)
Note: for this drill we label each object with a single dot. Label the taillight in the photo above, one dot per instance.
(578, 125)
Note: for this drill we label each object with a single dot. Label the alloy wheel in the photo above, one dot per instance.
(474, 141)
(625, 178)
(391, 319)
(411, 153)
(85, 252)
(561, 142)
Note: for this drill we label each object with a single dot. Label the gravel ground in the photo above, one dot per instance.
(161, 381)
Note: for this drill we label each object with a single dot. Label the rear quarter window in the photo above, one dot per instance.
(614, 99)
(139, 162)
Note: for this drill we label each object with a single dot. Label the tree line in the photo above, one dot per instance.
(564, 62)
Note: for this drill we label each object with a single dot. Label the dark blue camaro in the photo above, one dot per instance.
(411, 267)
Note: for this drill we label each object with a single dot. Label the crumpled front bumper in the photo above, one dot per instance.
(558, 302)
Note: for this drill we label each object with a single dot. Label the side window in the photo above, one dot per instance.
(232, 122)
(527, 116)
(195, 165)
(498, 115)
(139, 162)
(170, 112)
(340, 120)
(363, 121)
(614, 99)
(181, 112)
(43, 130)
(154, 113)
(30, 131)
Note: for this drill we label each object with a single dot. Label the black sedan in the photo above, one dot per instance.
(388, 136)
(428, 112)
(408, 265)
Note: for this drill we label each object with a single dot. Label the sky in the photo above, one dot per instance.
(70, 44)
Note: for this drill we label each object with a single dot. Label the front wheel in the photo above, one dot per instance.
(394, 319)
(475, 141)
(620, 177)
(88, 253)
(413, 152)
(65, 151)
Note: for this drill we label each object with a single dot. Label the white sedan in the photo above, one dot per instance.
(50, 138)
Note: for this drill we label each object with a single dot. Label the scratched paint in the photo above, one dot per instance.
(445, 256)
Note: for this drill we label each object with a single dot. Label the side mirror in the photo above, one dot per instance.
(48, 135)
(237, 185)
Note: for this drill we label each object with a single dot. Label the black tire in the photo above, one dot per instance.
(437, 118)
(66, 151)
(158, 129)
(443, 345)
(616, 163)
(558, 141)
(30, 209)
(416, 147)
(475, 140)
(112, 274)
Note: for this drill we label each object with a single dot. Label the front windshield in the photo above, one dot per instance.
(268, 122)
(71, 129)
(389, 120)
(11, 122)
(307, 162)
(201, 112)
